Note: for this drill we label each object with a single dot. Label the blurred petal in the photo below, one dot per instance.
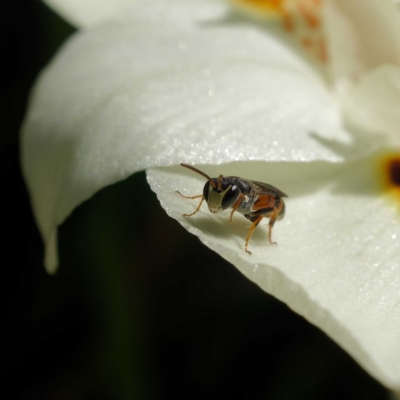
(361, 35)
(373, 104)
(364, 47)
(337, 258)
(297, 22)
(84, 13)
(163, 86)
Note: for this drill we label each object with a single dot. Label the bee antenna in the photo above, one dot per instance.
(199, 172)
(220, 182)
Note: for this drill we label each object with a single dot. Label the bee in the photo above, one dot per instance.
(255, 200)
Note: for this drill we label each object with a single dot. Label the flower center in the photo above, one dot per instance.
(394, 172)
(389, 176)
(300, 18)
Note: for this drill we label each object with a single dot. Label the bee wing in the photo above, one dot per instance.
(265, 188)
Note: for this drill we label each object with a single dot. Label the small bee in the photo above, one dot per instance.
(255, 200)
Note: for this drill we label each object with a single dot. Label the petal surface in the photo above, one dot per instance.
(372, 105)
(84, 13)
(175, 83)
(364, 47)
(361, 35)
(337, 258)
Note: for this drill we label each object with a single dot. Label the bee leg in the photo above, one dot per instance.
(236, 206)
(255, 223)
(197, 209)
(188, 197)
(191, 197)
(271, 224)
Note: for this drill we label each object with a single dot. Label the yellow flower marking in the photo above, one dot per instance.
(300, 18)
(265, 7)
(389, 169)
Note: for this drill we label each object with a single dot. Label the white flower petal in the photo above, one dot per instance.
(164, 86)
(372, 105)
(337, 258)
(84, 13)
(361, 36)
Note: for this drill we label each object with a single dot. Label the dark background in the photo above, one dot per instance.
(139, 308)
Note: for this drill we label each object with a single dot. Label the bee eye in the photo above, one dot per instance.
(230, 197)
(205, 191)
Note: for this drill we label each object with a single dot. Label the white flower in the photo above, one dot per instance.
(176, 81)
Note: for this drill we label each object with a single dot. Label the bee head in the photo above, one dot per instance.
(220, 195)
